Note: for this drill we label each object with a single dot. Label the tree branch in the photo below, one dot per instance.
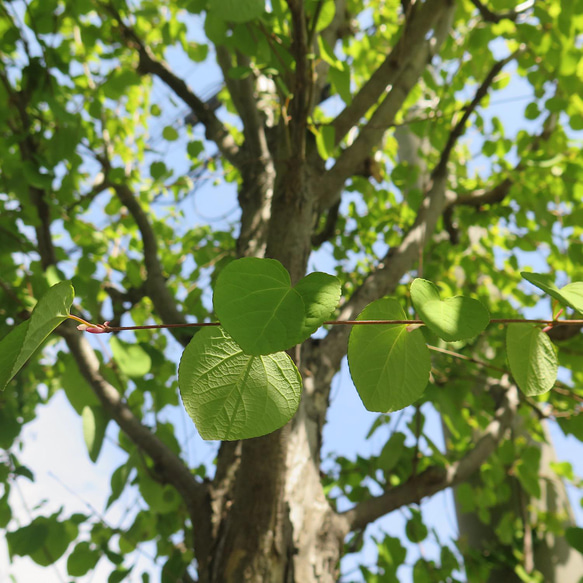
(164, 302)
(215, 130)
(513, 14)
(437, 478)
(300, 103)
(242, 93)
(400, 259)
(412, 39)
(460, 127)
(174, 470)
(403, 76)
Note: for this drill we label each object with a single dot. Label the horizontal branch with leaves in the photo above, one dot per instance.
(238, 382)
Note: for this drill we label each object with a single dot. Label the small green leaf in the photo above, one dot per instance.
(23, 341)
(325, 141)
(132, 359)
(257, 306)
(571, 295)
(232, 395)
(161, 498)
(457, 318)
(532, 358)
(237, 10)
(388, 364)
(415, 528)
(95, 423)
(82, 559)
(170, 134)
(391, 452)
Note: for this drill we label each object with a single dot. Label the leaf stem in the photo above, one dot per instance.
(105, 328)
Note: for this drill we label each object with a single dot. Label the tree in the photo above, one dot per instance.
(381, 180)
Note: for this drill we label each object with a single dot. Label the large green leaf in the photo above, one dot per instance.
(23, 341)
(389, 364)
(452, 319)
(237, 10)
(571, 295)
(232, 395)
(532, 358)
(257, 306)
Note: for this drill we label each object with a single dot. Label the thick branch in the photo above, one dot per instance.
(481, 197)
(215, 130)
(400, 259)
(513, 14)
(408, 73)
(437, 478)
(171, 466)
(242, 93)
(302, 78)
(163, 300)
(412, 40)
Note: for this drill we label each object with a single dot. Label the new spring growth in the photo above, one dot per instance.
(89, 327)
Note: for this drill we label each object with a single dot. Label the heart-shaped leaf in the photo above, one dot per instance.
(232, 395)
(320, 293)
(457, 318)
(571, 295)
(257, 306)
(22, 342)
(532, 358)
(388, 364)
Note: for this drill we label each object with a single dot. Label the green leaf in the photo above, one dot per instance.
(388, 364)
(231, 395)
(161, 498)
(457, 318)
(391, 452)
(23, 341)
(532, 358)
(44, 540)
(325, 141)
(574, 536)
(415, 528)
(238, 10)
(320, 293)
(77, 389)
(170, 134)
(257, 306)
(95, 422)
(571, 295)
(82, 559)
(132, 359)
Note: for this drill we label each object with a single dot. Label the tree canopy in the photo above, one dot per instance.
(408, 186)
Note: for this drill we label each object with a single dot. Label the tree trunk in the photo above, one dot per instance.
(274, 523)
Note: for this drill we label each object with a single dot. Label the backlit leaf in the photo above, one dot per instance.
(532, 358)
(232, 395)
(23, 341)
(388, 364)
(452, 319)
